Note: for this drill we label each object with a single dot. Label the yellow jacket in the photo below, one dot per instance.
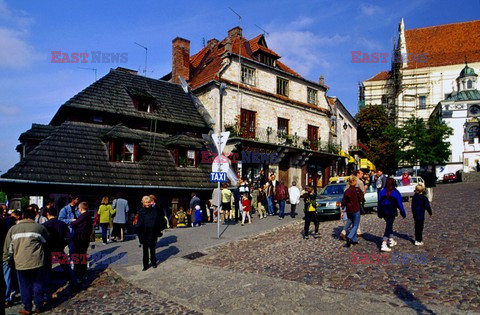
(105, 212)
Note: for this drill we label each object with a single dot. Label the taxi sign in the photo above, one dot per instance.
(218, 177)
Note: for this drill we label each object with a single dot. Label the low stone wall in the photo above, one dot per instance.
(472, 177)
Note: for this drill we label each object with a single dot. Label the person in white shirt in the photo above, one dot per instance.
(294, 194)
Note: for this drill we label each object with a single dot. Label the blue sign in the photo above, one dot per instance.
(218, 177)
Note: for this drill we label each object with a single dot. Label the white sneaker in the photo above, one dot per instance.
(391, 242)
(418, 243)
(385, 248)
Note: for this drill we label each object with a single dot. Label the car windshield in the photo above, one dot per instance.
(333, 189)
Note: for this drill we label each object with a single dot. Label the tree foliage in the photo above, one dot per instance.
(424, 143)
(416, 143)
(380, 136)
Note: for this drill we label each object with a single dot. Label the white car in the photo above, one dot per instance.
(407, 191)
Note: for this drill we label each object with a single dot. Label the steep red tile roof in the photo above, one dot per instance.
(331, 100)
(206, 64)
(444, 44)
(384, 75)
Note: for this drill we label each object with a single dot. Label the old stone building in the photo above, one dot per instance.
(461, 111)
(267, 107)
(425, 64)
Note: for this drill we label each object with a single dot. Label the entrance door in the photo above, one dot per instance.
(313, 137)
(247, 123)
(283, 174)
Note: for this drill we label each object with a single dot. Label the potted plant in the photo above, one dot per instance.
(269, 132)
(306, 143)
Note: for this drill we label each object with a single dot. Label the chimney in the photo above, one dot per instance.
(236, 31)
(212, 42)
(180, 59)
(321, 80)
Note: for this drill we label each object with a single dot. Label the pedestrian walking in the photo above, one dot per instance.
(270, 191)
(294, 198)
(82, 230)
(105, 212)
(281, 197)
(310, 198)
(195, 201)
(9, 271)
(246, 206)
(262, 202)
(390, 200)
(226, 202)
(26, 243)
(120, 205)
(430, 182)
(148, 230)
(68, 214)
(59, 238)
(419, 205)
(352, 199)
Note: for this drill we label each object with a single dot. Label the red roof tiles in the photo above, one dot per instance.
(444, 44)
(206, 64)
(384, 75)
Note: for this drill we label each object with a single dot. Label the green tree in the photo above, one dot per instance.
(424, 143)
(3, 197)
(380, 136)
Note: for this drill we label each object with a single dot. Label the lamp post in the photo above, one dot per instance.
(221, 91)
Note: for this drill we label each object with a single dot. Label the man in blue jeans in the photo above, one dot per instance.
(270, 191)
(281, 197)
(25, 242)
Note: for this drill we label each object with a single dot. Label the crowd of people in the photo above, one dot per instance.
(36, 239)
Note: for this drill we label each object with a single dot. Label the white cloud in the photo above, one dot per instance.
(15, 52)
(369, 44)
(8, 110)
(369, 9)
(304, 50)
(301, 22)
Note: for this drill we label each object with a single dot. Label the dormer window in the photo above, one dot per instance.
(144, 105)
(269, 61)
(185, 157)
(123, 152)
(469, 84)
(282, 86)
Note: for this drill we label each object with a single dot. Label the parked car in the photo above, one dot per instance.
(330, 198)
(407, 191)
(371, 197)
(449, 178)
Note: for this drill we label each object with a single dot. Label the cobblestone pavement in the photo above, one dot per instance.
(445, 273)
(110, 294)
(276, 271)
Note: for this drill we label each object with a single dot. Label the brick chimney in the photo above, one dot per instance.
(180, 59)
(236, 31)
(212, 42)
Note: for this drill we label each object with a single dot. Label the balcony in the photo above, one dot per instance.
(272, 136)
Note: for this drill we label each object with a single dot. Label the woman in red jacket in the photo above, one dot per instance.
(352, 198)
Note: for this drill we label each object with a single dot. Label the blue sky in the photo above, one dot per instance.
(313, 38)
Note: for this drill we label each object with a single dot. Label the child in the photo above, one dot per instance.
(198, 216)
(181, 217)
(419, 205)
(246, 208)
(261, 201)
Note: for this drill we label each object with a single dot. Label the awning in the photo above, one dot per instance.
(365, 163)
(350, 158)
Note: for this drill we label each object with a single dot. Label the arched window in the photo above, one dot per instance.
(472, 133)
(469, 84)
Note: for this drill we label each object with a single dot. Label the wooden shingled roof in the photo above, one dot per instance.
(75, 153)
(112, 94)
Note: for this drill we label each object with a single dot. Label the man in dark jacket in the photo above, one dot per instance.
(281, 197)
(148, 230)
(59, 238)
(82, 228)
(26, 241)
(430, 181)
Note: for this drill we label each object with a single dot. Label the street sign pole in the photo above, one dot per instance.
(219, 203)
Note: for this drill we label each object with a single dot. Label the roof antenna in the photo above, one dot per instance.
(239, 17)
(265, 33)
(93, 69)
(146, 54)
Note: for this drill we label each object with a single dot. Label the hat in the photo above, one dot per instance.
(197, 207)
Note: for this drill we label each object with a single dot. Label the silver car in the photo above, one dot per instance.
(330, 198)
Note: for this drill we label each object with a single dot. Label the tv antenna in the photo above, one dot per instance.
(146, 54)
(264, 31)
(91, 69)
(239, 17)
